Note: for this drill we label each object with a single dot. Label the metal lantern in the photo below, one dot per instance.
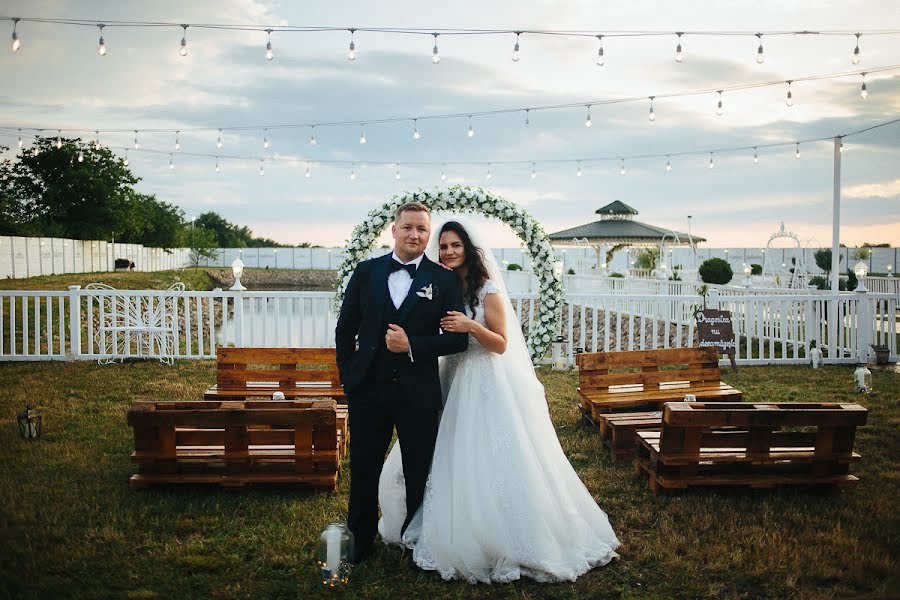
(29, 423)
(815, 355)
(862, 377)
(335, 552)
(237, 269)
(559, 358)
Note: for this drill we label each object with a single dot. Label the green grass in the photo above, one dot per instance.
(71, 527)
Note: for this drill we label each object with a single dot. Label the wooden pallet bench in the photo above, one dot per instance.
(647, 379)
(235, 443)
(298, 373)
(747, 444)
(618, 430)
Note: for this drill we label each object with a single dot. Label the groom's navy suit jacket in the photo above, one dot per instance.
(366, 311)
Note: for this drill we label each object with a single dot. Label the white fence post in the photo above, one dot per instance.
(865, 315)
(239, 320)
(74, 321)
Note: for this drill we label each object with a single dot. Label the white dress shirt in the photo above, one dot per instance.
(399, 281)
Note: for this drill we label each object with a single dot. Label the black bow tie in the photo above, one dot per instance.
(410, 268)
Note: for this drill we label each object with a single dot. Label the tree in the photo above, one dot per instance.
(716, 270)
(202, 243)
(823, 259)
(755, 269)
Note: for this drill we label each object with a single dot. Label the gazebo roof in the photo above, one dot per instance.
(616, 207)
(618, 231)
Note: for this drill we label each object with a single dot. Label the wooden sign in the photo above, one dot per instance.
(715, 329)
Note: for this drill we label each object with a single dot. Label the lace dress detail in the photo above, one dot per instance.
(502, 500)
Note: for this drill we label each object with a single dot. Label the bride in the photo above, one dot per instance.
(502, 500)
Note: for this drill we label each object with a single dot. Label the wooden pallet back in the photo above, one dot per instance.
(649, 368)
(284, 368)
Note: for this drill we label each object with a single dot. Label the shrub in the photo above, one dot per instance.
(570, 272)
(122, 263)
(514, 267)
(716, 270)
(755, 269)
(819, 281)
(616, 275)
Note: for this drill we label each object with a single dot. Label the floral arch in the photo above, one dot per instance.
(473, 201)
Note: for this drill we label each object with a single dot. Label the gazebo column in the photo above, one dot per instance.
(601, 260)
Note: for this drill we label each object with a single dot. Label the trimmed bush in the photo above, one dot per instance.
(755, 269)
(819, 281)
(716, 270)
(616, 275)
(514, 267)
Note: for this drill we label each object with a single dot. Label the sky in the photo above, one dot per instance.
(58, 81)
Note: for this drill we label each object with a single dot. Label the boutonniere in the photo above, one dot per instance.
(426, 292)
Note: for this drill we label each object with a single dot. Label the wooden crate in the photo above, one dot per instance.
(723, 443)
(647, 379)
(248, 373)
(236, 443)
(618, 430)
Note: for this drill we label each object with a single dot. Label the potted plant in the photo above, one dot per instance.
(882, 353)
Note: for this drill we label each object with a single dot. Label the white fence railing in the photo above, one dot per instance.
(78, 325)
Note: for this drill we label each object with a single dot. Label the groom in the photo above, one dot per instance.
(388, 341)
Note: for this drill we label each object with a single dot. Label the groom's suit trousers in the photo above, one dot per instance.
(376, 407)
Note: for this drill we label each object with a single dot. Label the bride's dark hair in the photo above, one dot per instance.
(476, 273)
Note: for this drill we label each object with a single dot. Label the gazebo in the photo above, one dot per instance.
(618, 227)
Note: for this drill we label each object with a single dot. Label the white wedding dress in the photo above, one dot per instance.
(502, 499)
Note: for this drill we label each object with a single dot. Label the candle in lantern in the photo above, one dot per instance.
(333, 550)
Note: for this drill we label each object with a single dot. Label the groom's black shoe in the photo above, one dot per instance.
(360, 554)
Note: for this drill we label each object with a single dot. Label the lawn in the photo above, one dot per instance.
(71, 527)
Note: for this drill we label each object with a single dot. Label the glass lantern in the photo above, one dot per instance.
(29, 423)
(237, 269)
(559, 358)
(335, 552)
(861, 269)
(815, 355)
(862, 377)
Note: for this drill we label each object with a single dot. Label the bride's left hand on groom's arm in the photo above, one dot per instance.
(456, 322)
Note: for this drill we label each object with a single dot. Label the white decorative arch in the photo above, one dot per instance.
(473, 201)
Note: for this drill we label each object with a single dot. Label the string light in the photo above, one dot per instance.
(308, 173)
(265, 139)
(443, 173)
(712, 164)
(789, 99)
(435, 57)
(177, 143)
(353, 173)
(797, 151)
(218, 170)
(362, 134)
(600, 60)
(755, 155)
(312, 136)
(101, 44)
(622, 166)
(80, 156)
(219, 143)
(16, 42)
(855, 58)
(269, 53)
(528, 115)
(652, 115)
(262, 168)
(719, 105)
(668, 164)
(679, 56)
(137, 145)
(863, 92)
(397, 173)
(416, 135)
(471, 132)
(515, 54)
(35, 150)
(489, 175)
(21, 143)
(578, 172)
(533, 171)
(587, 121)
(125, 162)
(351, 53)
(760, 56)
(182, 51)
(171, 163)
(97, 144)
(58, 139)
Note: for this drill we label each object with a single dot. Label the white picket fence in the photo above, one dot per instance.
(769, 329)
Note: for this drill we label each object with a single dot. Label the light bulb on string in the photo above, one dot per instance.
(600, 59)
(125, 162)
(353, 173)
(841, 146)
(20, 142)
(16, 42)
(679, 55)
(262, 167)
(362, 134)
(578, 172)
(58, 139)
(177, 143)
(171, 163)
(789, 98)
(719, 105)
(443, 173)
(435, 57)
(855, 58)
(527, 116)
(533, 171)
(755, 155)
(471, 132)
(863, 92)
(416, 135)
(668, 164)
(80, 155)
(97, 144)
(265, 139)
(489, 175)
(312, 136)
(652, 114)
(587, 120)
(101, 43)
(712, 164)
(351, 53)
(182, 51)
(269, 53)
(397, 172)
(308, 173)
(622, 166)
(760, 56)
(35, 150)
(137, 145)
(218, 169)
(515, 54)
(219, 143)
(797, 151)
